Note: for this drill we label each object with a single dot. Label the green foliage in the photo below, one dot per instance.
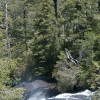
(96, 95)
(97, 48)
(87, 71)
(6, 92)
(65, 73)
(95, 78)
(4, 71)
(43, 46)
(86, 50)
(38, 39)
(10, 93)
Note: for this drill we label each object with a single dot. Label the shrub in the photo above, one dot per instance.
(66, 75)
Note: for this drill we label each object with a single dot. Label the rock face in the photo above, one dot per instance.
(36, 90)
(33, 85)
(39, 83)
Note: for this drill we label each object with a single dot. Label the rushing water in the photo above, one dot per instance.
(39, 90)
(84, 95)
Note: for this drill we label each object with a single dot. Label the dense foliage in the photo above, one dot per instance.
(6, 92)
(33, 38)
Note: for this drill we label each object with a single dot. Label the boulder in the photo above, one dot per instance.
(37, 90)
(32, 85)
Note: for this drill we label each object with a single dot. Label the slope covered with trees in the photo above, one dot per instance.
(33, 38)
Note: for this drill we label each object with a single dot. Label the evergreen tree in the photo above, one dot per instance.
(77, 22)
(36, 33)
(44, 50)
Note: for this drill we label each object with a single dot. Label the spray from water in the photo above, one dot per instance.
(85, 95)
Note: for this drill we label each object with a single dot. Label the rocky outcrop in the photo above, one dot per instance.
(37, 89)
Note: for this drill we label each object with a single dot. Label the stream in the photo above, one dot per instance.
(39, 90)
(84, 95)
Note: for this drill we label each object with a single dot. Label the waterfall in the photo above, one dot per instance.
(84, 95)
(38, 94)
(39, 90)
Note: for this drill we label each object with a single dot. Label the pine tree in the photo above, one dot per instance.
(44, 38)
(77, 21)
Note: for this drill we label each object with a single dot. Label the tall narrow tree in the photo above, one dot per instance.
(7, 35)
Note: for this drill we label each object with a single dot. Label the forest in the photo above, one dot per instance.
(33, 38)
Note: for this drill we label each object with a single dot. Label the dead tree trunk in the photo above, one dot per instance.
(7, 35)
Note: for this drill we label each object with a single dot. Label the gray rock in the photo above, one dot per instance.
(37, 90)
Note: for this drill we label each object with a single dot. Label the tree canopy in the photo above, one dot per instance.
(33, 38)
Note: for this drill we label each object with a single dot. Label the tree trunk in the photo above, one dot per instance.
(25, 32)
(7, 35)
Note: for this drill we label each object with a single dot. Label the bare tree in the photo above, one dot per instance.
(70, 57)
(7, 35)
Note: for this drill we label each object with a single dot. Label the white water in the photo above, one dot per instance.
(85, 95)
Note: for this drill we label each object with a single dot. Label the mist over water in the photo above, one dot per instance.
(38, 94)
(40, 90)
(85, 95)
